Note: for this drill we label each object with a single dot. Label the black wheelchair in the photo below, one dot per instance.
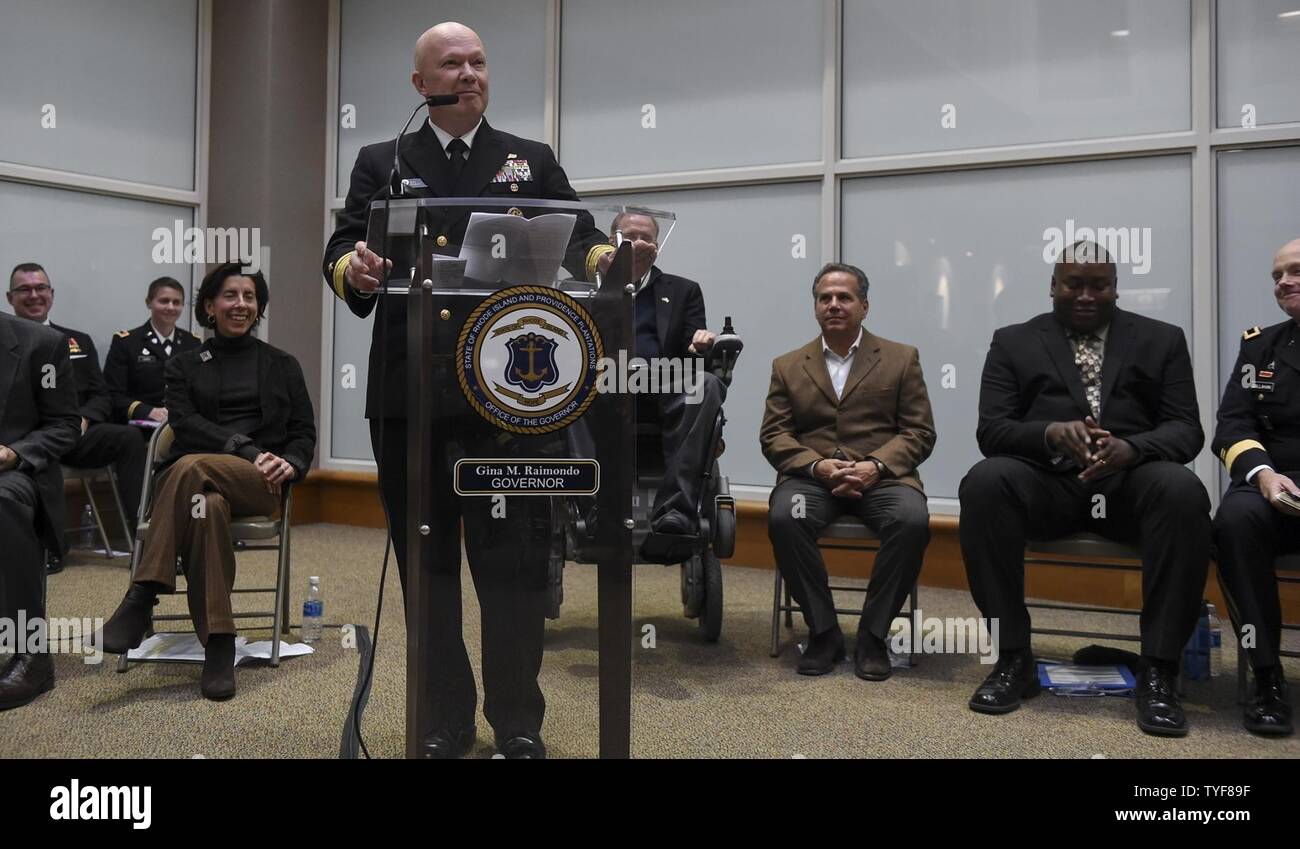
(572, 519)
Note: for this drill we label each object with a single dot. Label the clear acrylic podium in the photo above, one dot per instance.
(508, 321)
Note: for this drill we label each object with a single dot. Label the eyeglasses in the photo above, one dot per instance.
(28, 291)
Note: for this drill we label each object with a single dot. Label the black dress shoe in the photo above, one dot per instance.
(448, 744)
(1014, 678)
(824, 651)
(1270, 711)
(1158, 709)
(218, 680)
(126, 628)
(24, 677)
(871, 658)
(522, 747)
(53, 565)
(671, 539)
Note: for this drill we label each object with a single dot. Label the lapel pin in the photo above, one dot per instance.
(205, 356)
(665, 300)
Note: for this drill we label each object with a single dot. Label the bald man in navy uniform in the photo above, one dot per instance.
(457, 153)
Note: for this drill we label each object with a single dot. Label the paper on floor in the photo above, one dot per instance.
(183, 647)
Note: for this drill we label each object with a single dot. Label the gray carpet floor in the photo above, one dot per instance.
(690, 698)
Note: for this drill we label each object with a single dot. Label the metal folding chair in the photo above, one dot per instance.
(1085, 550)
(87, 476)
(844, 534)
(1282, 565)
(248, 533)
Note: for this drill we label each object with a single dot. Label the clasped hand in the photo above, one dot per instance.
(1095, 450)
(845, 478)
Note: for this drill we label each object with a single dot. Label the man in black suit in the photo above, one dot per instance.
(102, 443)
(456, 153)
(1258, 440)
(1087, 415)
(670, 323)
(38, 422)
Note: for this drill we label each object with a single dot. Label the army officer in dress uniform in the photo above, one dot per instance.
(1258, 440)
(136, 358)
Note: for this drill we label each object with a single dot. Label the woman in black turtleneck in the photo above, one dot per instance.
(244, 428)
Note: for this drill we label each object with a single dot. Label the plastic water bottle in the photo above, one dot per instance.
(1216, 641)
(1196, 654)
(87, 526)
(313, 612)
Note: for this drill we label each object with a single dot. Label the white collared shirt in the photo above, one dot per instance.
(838, 366)
(163, 340)
(444, 137)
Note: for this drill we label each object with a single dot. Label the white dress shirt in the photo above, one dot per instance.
(838, 366)
(444, 137)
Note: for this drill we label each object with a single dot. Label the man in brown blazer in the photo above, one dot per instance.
(847, 422)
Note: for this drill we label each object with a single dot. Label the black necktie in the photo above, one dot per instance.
(456, 150)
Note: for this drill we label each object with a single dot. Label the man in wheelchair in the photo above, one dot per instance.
(670, 326)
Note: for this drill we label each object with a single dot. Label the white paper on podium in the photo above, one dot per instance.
(186, 647)
(510, 248)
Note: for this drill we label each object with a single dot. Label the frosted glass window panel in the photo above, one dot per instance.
(376, 58)
(952, 257)
(1012, 71)
(106, 89)
(740, 245)
(97, 250)
(349, 428)
(727, 83)
(1258, 41)
(1259, 211)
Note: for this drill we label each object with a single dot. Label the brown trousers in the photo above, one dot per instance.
(199, 531)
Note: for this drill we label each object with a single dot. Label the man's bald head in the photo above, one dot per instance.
(433, 38)
(1291, 248)
(1286, 278)
(450, 59)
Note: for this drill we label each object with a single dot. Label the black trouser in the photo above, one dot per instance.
(22, 566)
(508, 560)
(1161, 506)
(798, 510)
(1249, 533)
(687, 422)
(121, 447)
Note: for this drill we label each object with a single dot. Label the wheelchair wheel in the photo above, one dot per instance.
(554, 585)
(724, 533)
(711, 611)
(692, 587)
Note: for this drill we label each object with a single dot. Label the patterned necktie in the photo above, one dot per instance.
(1087, 356)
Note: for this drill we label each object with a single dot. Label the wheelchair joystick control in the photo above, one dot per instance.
(725, 352)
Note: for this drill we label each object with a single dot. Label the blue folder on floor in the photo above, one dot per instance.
(1072, 679)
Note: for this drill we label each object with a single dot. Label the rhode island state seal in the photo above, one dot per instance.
(526, 359)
